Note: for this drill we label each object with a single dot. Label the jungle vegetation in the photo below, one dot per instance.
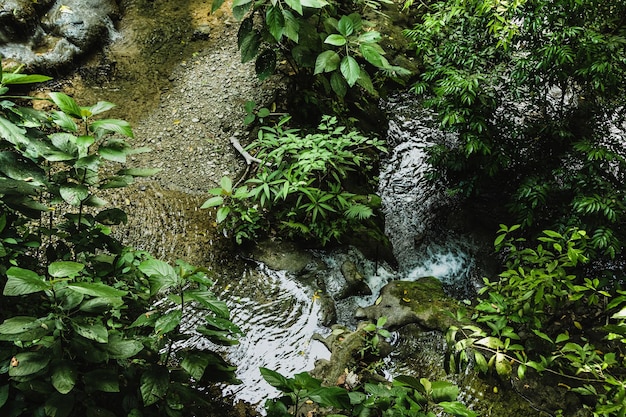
(535, 92)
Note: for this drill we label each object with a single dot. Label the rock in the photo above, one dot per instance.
(422, 301)
(355, 281)
(281, 256)
(49, 34)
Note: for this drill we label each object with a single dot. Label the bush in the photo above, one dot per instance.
(82, 335)
(302, 186)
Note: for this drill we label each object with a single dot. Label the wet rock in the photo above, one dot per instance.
(49, 34)
(422, 301)
(284, 256)
(355, 281)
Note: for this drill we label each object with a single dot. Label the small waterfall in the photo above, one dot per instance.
(412, 202)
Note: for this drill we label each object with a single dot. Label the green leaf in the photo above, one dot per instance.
(222, 213)
(96, 289)
(335, 40)
(216, 4)
(19, 324)
(276, 380)
(121, 348)
(114, 152)
(327, 61)
(112, 216)
(373, 56)
(295, 5)
(101, 304)
(112, 126)
(292, 26)
(457, 408)
(168, 322)
(74, 194)
(92, 331)
(63, 376)
(314, 4)
(161, 275)
(28, 363)
(66, 104)
(331, 397)
(154, 384)
(64, 269)
(345, 26)
(104, 380)
(338, 84)
(139, 172)
(444, 391)
(275, 22)
(64, 121)
(265, 64)
(23, 281)
(13, 78)
(195, 363)
(4, 394)
(101, 107)
(213, 202)
(350, 70)
(503, 366)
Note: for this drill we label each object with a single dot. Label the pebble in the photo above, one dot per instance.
(195, 120)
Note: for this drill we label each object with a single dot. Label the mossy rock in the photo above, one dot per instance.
(422, 302)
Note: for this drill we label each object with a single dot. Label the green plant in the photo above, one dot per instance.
(302, 187)
(405, 396)
(329, 40)
(83, 333)
(532, 89)
(374, 333)
(541, 314)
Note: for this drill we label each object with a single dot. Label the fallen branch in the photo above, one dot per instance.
(246, 155)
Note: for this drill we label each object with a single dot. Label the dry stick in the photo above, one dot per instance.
(246, 155)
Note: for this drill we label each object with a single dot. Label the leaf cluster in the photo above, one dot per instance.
(535, 91)
(326, 44)
(541, 314)
(405, 396)
(82, 333)
(302, 186)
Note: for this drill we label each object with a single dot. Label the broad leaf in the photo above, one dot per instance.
(112, 126)
(120, 348)
(161, 275)
(23, 281)
(101, 107)
(112, 216)
(168, 322)
(64, 269)
(336, 40)
(92, 331)
(4, 394)
(100, 304)
(66, 104)
(213, 202)
(19, 324)
(215, 5)
(338, 84)
(350, 70)
(14, 78)
(331, 397)
(276, 380)
(327, 61)
(96, 289)
(345, 26)
(28, 363)
(373, 56)
(105, 380)
(295, 5)
(315, 4)
(63, 376)
(154, 383)
(444, 391)
(195, 363)
(275, 22)
(74, 194)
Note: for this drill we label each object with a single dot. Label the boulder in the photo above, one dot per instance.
(422, 301)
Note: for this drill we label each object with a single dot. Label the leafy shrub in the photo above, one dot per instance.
(302, 186)
(541, 314)
(406, 396)
(536, 93)
(329, 40)
(82, 333)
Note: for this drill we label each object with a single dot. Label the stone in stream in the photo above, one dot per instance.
(49, 34)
